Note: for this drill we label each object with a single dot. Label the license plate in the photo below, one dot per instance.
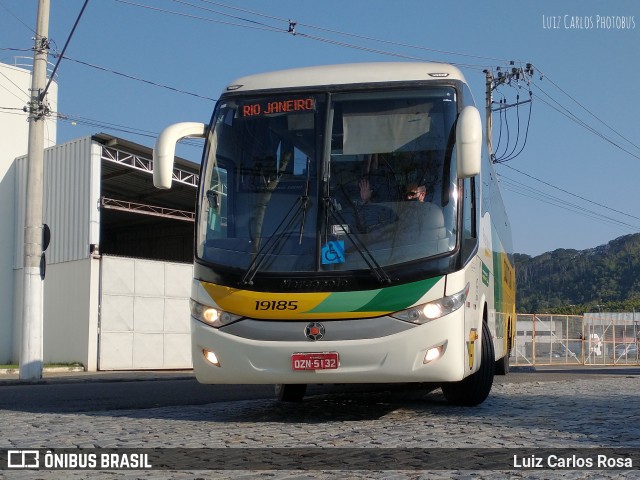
(315, 361)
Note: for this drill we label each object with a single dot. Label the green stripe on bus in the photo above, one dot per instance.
(390, 299)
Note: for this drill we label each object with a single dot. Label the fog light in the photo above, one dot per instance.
(434, 353)
(211, 357)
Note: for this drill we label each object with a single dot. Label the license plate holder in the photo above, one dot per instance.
(315, 361)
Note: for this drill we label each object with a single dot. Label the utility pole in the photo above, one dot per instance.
(31, 353)
(489, 109)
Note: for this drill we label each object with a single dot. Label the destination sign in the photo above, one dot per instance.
(270, 107)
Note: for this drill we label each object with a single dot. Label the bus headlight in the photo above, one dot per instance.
(211, 316)
(432, 310)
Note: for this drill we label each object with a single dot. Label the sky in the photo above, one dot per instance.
(132, 67)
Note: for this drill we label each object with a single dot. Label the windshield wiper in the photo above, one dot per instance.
(357, 242)
(278, 234)
(274, 240)
(305, 201)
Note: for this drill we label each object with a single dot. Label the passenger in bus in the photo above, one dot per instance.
(377, 183)
(365, 191)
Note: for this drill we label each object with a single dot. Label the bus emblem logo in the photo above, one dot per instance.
(314, 331)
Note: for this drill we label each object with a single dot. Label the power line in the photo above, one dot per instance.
(530, 192)
(571, 116)
(292, 31)
(406, 45)
(261, 27)
(226, 14)
(139, 79)
(546, 77)
(578, 210)
(90, 122)
(547, 198)
(195, 17)
(64, 49)
(8, 49)
(512, 78)
(358, 47)
(505, 157)
(17, 86)
(571, 193)
(563, 110)
(13, 111)
(354, 35)
(264, 26)
(382, 52)
(244, 10)
(17, 18)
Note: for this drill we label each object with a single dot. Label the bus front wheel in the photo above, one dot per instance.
(290, 392)
(474, 389)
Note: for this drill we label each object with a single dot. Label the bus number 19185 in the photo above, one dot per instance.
(276, 305)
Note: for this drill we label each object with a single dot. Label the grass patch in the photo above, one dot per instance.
(10, 366)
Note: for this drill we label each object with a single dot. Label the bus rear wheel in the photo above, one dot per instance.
(290, 392)
(502, 364)
(474, 389)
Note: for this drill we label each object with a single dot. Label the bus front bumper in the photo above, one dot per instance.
(394, 358)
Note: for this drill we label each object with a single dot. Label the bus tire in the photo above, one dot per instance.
(290, 392)
(474, 389)
(502, 365)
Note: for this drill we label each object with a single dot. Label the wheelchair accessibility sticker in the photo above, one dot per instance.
(333, 252)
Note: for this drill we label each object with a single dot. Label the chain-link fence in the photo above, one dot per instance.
(595, 339)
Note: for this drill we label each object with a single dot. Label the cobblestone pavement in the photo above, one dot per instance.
(599, 411)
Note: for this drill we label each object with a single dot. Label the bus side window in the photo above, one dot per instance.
(217, 204)
(469, 227)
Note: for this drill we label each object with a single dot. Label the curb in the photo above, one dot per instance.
(68, 375)
(16, 371)
(522, 368)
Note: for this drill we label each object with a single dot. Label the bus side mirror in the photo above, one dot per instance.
(469, 142)
(164, 150)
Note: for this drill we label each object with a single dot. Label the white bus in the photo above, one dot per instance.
(349, 230)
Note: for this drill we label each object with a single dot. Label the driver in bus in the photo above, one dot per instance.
(415, 192)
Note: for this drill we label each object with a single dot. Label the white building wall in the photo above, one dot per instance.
(144, 314)
(71, 318)
(14, 134)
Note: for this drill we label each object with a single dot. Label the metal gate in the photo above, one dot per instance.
(593, 339)
(144, 314)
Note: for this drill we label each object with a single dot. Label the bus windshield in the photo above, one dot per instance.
(319, 183)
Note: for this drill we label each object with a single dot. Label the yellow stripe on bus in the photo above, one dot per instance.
(267, 305)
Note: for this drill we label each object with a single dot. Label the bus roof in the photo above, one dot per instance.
(346, 74)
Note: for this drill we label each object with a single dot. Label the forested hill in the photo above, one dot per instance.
(608, 275)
